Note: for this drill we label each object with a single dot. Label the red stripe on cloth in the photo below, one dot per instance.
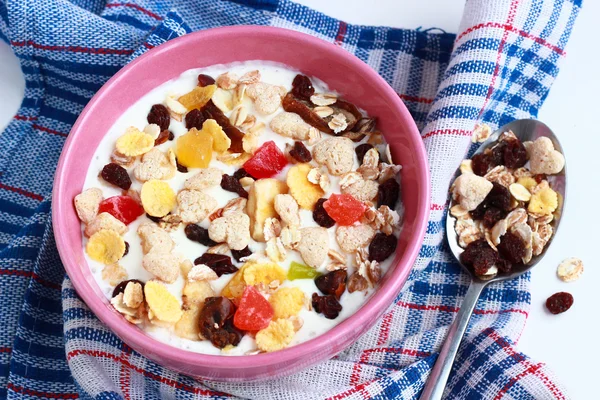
(398, 350)
(550, 385)
(415, 99)
(437, 207)
(148, 46)
(5, 349)
(135, 6)
(52, 131)
(532, 369)
(49, 395)
(384, 332)
(125, 373)
(24, 118)
(341, 33)
(24, 192)
(458, 132)
(423, 307)
(74, 49)
(158, 378)
(33, 275)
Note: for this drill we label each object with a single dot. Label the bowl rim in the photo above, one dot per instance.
(137, 338)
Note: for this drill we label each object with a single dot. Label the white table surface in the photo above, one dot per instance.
(567, 342)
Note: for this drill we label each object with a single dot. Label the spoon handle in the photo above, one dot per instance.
(436, 383)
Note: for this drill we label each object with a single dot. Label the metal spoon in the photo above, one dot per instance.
(524, 129)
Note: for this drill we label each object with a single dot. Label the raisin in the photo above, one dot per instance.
(205, 80)
(171, 135)
(497, 154)
(382, 246)
(216, 322)
(116, 175)
(120, 288)
(327, 305)
(365, 125)
(512, 248)
(154, 219)
(241, 173)
(388, 193)
(181, 168)
(220, 263)
(194, 119)
(333, 283)
(162, 138)
(239, 254)
(479, 256)
(231, 184)
(196, 233)
(320, 215)
(515, 154)
(361, 150)
(160, 116)
(481, 164)
(126, 249)
(302, 87)
(300, 152)
(504, 266)
(491, 216)
(498, 197)
(539, 178)
(559, 302)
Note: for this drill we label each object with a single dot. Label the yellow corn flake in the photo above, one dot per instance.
(198, 97)
(287, 302)
(264, 272)
(134, 143)
(158, 199)
(105, 246)
(305, 192)
(163, 305)
(543, 202)
(235, 287)
(528, 182)
(221, 141)
(278, 335)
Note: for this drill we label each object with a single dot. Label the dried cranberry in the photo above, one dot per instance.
(481, 164)
(231, 184)
(162, 138)
(153, 219)
(171, 135)
(382, 246)
(515, 154)
(302, 87)
(333, 283)
(326, 305)
(559, 302)
(120, 288)
(300, 152)
(539, 178)
(220, 263)
(216, 322)
(181, 168)
(361, 150)
(491, 216)
(205, 80)
(498, 197)
(479, 256)
(160, 116)
(194, 119)
(320, 215)
(196, 233)
(126, 249)
(504, 266)
(497, 154)
(116, 175)
(512, 248)
(388, 193)
(239, 254)
(241, 173)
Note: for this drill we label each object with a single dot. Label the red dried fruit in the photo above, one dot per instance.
(481, 164)
(239, 254)
(220, 263)
(120, 288)
(479, 256)
(498, 198)
(116, 175)
(382, 246)
(344, 208)
(320, 215)
(254, 311)
(266, 162)
(388, 193)
(205, 80)
(196, 233)
(361, 150)
(231, 184)
(333, 283)
(194, 119)
(123, 208)
(300, 153)
(559, 302)
(491, 216)
(210, 111)
(162, 138)
(326, 305)
(504, 266)
(216, 322)
(181, 168)
(302, 87)
(160, 116)
(539, 178)
(515, 154)
(512, 248)
(497, 154)
(241, 173)
(126, 249)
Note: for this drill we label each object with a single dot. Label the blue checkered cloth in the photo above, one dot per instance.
(500, 67)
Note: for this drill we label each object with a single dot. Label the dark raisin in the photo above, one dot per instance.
(333, 283)
(126, 249)
(504, 266)
(241, 173)
(116, 175)
(491, 216)
(512, 248)
(162, 138)
(539, 178)
(194, 119)
(499, 197)
(120, 288)
(361, 150)
(388, 194)
(302, 87)
(205, 80)
(326, 305)
(497, 154)
(559, 302)
(239, 254)
(220, 263)
(181, 168)
(196, 233)
(160, 116)
(171, 135)
(365, 125)
(215, 322)
(231, 184)
(481, 164)
(515, 155)
(300, 152)
(382, 246)
(153, 219)
(479, 256)
(320, 215)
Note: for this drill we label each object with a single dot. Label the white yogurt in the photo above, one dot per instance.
(314, 324)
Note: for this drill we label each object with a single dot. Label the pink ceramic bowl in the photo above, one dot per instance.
(344, 73)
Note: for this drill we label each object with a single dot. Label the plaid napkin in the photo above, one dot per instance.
(498, 68)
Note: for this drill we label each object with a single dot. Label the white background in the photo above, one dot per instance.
(567, 342)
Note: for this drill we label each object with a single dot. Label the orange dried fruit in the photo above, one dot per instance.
(198, 97)
(194, 149)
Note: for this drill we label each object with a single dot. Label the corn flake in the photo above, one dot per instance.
(287, 302)
(263, 273)
(105, 246)
(163, 305)
(543, 202)
(198, 97)
(134, 142)
(278, 335)
(158, 199)
(528, 182)
(221, 141)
